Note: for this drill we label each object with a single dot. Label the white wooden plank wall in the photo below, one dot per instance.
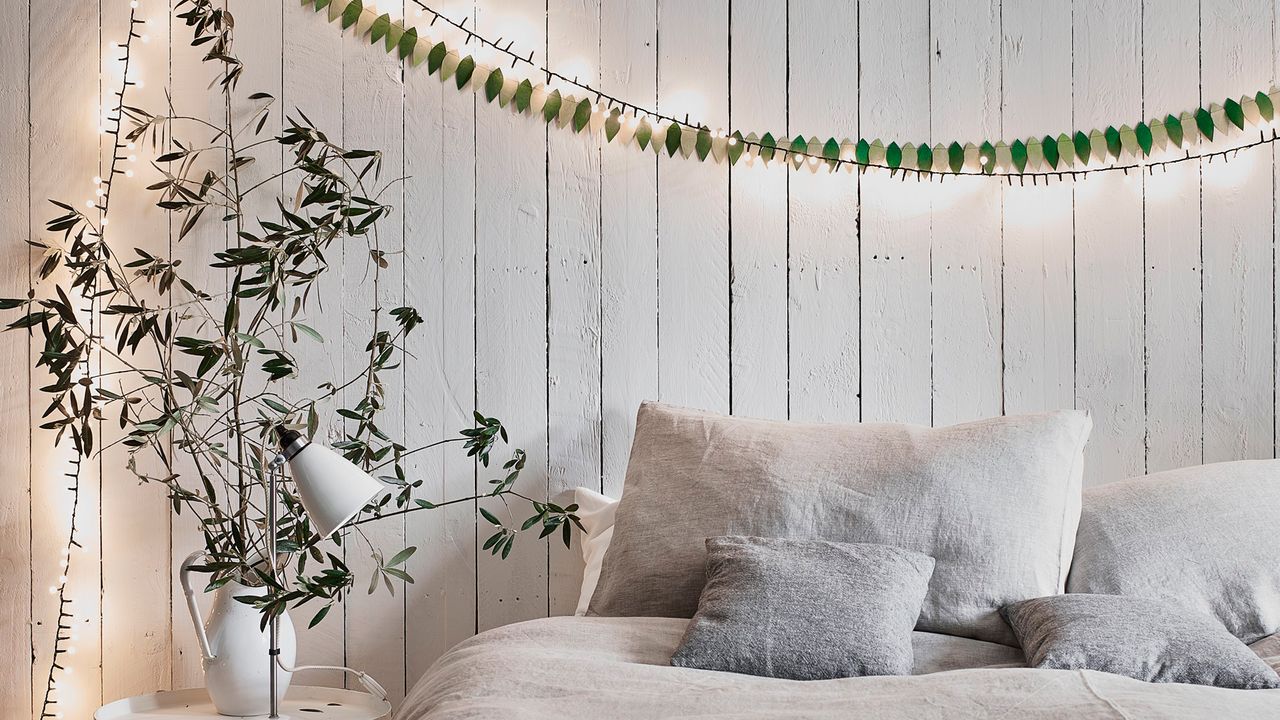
(563, 281)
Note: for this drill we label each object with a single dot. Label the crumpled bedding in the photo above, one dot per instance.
(588, 667)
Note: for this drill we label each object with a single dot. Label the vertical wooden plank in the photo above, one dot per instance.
(135, 517)
(628, 239)
(511, 313)
(823, 219)
(314, 76)
(693, 209)
(967, 332)
(758, 245)
(1171, 220)
(573, 331)
(1108, 221)
(894, 219)
(439, 216)
(65, 113)
(373, 119)
(15, 495)
(1039, 371)
(1237, 242)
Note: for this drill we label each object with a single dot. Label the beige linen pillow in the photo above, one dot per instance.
(995, 502)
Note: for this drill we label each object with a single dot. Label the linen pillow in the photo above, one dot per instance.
(1203, 537)
(1135, 637)
(596, 513)
(806, 609)
(994, 502)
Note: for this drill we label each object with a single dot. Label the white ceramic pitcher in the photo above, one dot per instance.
(234, 648)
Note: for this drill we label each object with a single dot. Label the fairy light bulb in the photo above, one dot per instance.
(105, 222)
(100, 192)
(89, 203)
(129, 146)
(62, 579)
(146, 38)
(132, 158)
(128, 173)
(97, 180)
(733, 141)
(813, 161)
(133, 4)
(53, 590)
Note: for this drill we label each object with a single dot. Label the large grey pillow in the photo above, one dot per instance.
(994, 502)
(806, 609)
(1139, 638)
(1204, 537)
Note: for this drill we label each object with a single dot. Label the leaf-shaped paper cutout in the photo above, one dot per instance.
(831, 151)
(987, 157)
(673, 139)
(799, 147)
(1265, 107)
(1204, 123)
(320, 4)
(378, 30)
(551, 108)
(924, 157)
(465, 68)
(1234, 112)
(955, 157)
(1112, 138)
(1050, 148)
(767, 145)
(612, 125)
(493, 85)
(436, 57)
(735, 147)
(893, 155)
(703, 144)
(581, 115)
(351, 14)
(1018, 154)
(862, 151)
(1144, 137)
(395, 31)
(524, 92)
(1173, 126)
(644, 133)
(1082, 146)
(407, 43)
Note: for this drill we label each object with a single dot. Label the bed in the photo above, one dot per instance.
(586, 667)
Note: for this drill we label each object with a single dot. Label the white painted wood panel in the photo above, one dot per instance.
(563, 282)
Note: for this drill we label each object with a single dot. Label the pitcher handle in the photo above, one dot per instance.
(184, 577)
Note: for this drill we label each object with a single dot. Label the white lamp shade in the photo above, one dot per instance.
(332, 489)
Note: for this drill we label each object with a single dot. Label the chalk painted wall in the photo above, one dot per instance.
(563, 282)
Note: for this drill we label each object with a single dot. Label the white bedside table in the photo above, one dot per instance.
(301, 703)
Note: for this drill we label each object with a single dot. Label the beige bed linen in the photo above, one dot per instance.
(572, 667)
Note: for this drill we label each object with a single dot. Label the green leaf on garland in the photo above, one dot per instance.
(465, 68)
(378, 30)
(1144, 137)
(551, 108)
(435, 58)
(351, 14)
(644, 133)
(1234, 112)
(1081, 143)
(1173, 126)
(767, 146)
(955, 157)
(703, 145)
(1204, 123)
(581, 115)
(1265, 106)
(800, 147)
(524, 94)
(493, 85)
(1018, 154)
(862, 151)
(1051, 154)
(987, 157)
(408, 42)
(1112, 137)
(831, 151)
(673, 139)
(893, 155)
(735, 148)
(320, 4)
(612, 126)
(924, 157)
(394, 32)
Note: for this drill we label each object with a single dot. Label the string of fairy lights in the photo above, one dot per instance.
(1147, 146)
(111, 128)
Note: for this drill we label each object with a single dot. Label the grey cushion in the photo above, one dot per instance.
(1135, 637)
(806, 609)
(1203, 537)
(994, 502)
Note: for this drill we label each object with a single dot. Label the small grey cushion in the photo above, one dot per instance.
(806, 609)
(1135, 637)
(994, 502)
(1202, 537)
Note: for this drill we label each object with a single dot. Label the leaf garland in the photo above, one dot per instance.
(1077, 151)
